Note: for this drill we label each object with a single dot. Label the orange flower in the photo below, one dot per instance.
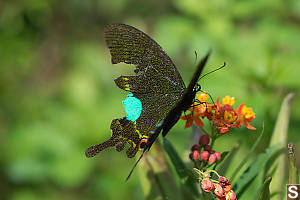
(218, 103)
(221, 126)
(213, 111)
(193, 116)
(222, 115)
(229, 115)
(202, 97)
(228, 100)
(201, 109)
(246, 115)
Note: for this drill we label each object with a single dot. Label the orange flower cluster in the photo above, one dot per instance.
(222, 115)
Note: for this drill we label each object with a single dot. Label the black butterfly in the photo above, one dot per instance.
(157, 91)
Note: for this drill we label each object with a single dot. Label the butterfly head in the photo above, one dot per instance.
(197, 87)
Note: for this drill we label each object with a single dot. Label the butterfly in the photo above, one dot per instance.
(157, 94)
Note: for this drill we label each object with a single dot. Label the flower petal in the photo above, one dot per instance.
(202, 97)
(189, 123)
(198, 121)
(186, 117)
(228, 100)
(239, 110)
(249, 126)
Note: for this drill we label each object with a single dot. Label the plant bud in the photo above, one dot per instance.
(218, 155)
(218, 190)
(207, 185)
(225, 183)
(196, 147)
(207, 148)
(196, 155)
(204, 155)
(212, 159)
(230, 195)
(204, 139)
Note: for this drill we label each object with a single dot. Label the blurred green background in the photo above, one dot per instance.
(57, 93)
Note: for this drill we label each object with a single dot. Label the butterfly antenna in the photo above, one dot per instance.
(135, 165)
(213, 70)
(196, 58)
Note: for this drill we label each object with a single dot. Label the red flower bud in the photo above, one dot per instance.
(196, 155)
(218, 155)
(230, 195)
(204, 139)
(207, 148)
(204, 155)
(196, 147)
(207, 185)
(218, 190)
(212, 159)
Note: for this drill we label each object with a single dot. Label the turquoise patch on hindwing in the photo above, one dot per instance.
(133, 107)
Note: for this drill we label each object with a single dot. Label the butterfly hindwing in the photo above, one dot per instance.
(123, 131)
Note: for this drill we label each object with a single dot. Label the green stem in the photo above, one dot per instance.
(292, 166)
(213, 172)
(213, 135)
(204, 131)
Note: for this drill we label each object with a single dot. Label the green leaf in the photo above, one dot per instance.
(222, 168)
(254, 168)
(176, 160)
(187, 178)
(157, 181)
(246, 157)
(280, 137)
(264, 191)
(268, 169)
